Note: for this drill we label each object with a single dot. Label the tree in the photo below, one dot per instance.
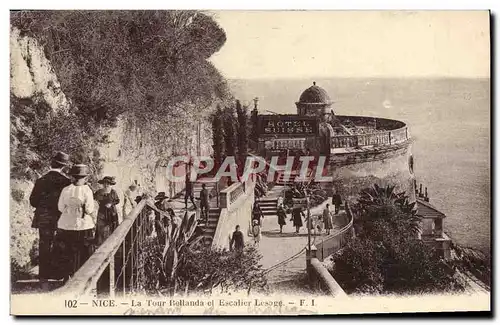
(148, 67)
(217, 137)
(230, 135)
(241, 112)
(385, 256)
(382, 207)
(254, 119)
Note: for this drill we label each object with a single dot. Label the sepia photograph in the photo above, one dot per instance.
(246, 162)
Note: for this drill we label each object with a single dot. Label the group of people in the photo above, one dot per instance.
(298, 215)
(70, 225)
(204, 198)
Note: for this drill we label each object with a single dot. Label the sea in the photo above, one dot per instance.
(449, 119)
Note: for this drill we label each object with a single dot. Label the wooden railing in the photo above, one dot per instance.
(370, 139)
(113, 268)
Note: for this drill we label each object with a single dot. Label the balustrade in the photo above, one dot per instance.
(370, 139)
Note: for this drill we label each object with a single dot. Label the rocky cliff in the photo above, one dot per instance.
(131, 152)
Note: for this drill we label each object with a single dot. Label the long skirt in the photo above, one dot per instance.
(74, 249)
(327, 220)
(297, 221)
(281, 218)
(103, 231)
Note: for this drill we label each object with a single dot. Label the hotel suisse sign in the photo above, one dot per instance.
(287, 125)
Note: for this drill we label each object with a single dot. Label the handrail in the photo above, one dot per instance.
(326, 280)
(319, 276)
(230, 195)
(103, 259)
(220, 235)
(87, 276)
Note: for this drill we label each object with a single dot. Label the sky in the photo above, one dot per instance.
(305, 44)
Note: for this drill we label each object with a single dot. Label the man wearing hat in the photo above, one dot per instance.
(44, 198)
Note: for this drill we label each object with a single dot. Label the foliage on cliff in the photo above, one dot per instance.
(149, 68)
(147, 64)
(386, 256)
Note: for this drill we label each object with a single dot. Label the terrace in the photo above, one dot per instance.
(351, 133)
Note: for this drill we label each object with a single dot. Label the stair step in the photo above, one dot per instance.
(268, 205)
(267, 199)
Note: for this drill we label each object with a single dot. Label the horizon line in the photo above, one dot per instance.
(358, 77)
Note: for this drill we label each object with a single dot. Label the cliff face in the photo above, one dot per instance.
(132, 153)
(31, 77)
(133, 156)
(31, 73)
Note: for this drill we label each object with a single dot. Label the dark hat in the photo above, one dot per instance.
(161, 196)
(107, 179)
(79, 170)
(61, 158)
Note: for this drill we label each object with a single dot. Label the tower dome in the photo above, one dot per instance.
(314, 95)
(313, 101)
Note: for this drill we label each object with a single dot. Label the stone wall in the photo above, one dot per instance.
(238, 213)
(355, 171)
(131, 157)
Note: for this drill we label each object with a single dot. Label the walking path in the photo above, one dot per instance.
(178, 203)
(275, 247)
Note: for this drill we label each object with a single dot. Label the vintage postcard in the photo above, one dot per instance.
(185, 162)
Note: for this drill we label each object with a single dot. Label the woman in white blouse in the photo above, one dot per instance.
(77, 222)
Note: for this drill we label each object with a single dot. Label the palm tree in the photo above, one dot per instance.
(381, 207)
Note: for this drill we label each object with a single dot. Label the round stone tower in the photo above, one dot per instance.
(362, 150)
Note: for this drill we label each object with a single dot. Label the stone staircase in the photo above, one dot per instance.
(211, 226)
(268, 206)
(213, 214)
(281, 178)
(269, 203)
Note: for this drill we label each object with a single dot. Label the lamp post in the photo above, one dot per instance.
(308, 222)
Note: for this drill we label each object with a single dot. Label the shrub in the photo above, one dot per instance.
(181, 262)
(385, 256)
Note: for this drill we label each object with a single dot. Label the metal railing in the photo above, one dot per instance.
(369, 139)
(319, 277)
(333, 243)
(113, 268)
